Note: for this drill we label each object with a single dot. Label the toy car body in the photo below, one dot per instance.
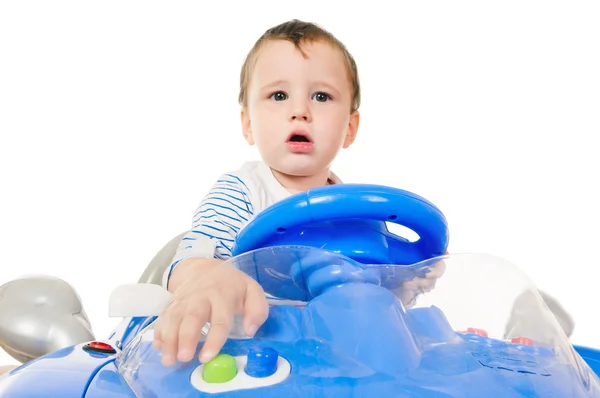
(338, 326)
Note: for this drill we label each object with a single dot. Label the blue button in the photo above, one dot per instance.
(262, 362)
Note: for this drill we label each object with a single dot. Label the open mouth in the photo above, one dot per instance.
(299, 142)
(299, 137)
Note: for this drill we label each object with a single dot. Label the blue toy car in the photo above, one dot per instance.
(348, 319)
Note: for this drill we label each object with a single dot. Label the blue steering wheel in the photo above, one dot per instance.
(350, 219)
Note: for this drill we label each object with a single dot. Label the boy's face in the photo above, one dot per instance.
(298, 111)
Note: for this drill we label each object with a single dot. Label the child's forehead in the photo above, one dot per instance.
(281, 59)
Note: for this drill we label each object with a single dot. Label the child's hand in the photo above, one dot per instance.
(209, 291)
(413, 288)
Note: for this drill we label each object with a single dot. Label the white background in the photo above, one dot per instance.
(111, 113)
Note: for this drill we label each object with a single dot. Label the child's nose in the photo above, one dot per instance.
(300, 111)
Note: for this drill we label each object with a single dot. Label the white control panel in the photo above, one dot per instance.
(241, 380)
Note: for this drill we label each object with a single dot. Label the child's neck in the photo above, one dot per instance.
(297, 184)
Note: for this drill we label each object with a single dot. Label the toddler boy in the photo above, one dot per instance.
(300, 94)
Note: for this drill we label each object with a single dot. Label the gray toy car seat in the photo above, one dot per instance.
(158, 265)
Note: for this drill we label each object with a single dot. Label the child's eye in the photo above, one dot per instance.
(322, 97)
(278, 96)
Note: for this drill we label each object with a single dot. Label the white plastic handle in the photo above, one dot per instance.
(145, 299)
(137, 300)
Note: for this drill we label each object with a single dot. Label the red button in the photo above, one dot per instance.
(522, 340)
(478, 332)
(99, 346)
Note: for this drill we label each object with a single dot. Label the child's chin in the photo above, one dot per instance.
(298, 171)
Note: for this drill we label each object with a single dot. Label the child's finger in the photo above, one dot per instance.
(256, 308)
(170, 335)
(190, 330)
(221, 322)
(406, 296)
(437, 270)
(158, 330)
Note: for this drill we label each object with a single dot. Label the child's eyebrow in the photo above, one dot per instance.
(273, 84)
(329, 86)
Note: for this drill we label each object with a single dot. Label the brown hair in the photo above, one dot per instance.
(298, 32)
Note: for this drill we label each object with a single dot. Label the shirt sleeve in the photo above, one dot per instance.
(222, 213)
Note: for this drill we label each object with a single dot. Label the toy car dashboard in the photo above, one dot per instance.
(353, 314)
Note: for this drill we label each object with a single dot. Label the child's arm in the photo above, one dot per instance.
(225, 210)
(204, 287)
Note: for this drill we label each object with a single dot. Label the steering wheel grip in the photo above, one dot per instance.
(338, 205)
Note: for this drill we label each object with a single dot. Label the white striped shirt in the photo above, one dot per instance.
(234, 200)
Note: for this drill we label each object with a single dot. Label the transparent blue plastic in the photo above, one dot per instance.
(356, 311)
(355, 335)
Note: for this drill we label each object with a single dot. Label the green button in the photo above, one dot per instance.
(220, 369)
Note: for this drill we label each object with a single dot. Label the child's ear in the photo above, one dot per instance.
(247, 126)
(352, 129)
